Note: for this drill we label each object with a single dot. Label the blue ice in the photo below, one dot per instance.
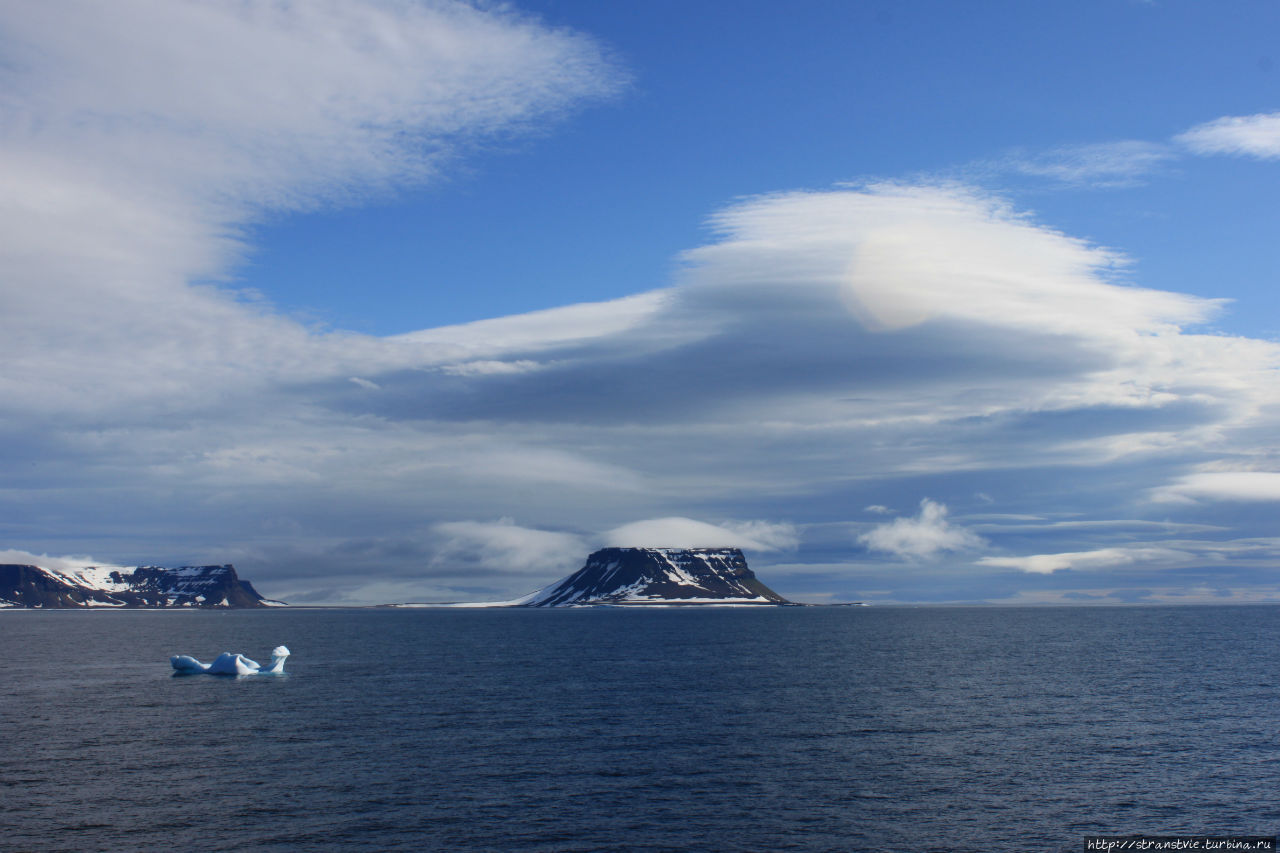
(229, 663)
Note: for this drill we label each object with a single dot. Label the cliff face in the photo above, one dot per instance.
(144, 586)
(639, 576)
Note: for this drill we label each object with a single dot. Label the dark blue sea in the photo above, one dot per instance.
(842, 729)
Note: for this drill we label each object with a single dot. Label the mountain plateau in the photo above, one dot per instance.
(658, 576)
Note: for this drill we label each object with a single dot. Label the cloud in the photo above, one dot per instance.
(1102, 558)
(923, 537)
(542, 331)
(69, 563)
(281, 104)
(688, 533)
(489, 368)
(141, 140)
(1251, 136)
(506, 547)
(900, 256)
(828, 348)
(825, 349)
(1099, 165)
(1025, 524)
(1245, 486)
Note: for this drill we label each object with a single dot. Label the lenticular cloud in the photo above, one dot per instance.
(901, 255)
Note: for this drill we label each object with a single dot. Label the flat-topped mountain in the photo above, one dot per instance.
(640, 576)
(113, 586)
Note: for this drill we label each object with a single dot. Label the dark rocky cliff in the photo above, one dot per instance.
(639, 576)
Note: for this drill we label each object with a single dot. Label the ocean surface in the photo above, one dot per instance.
(842, 729)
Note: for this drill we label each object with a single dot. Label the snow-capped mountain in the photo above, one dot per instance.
(117, 586)
(639, 576)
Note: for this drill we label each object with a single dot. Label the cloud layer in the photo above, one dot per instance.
(826, 350)
(828, 347)
(140, 139)
(1102, 558)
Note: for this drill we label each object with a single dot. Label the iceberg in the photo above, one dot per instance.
(229, 663)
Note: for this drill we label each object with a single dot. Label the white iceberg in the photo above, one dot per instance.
(229, 663)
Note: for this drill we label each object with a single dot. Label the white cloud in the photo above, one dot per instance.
(1100, 165)
(1245, 486)
(537, 331)
(925, 536)
(26, 558)
(490, 368)
(764, 535)
(138, 140)
(822, 346)
(276, 104)
(1028, 524)
(900, 256)
(507, 547)
(688, 533)
(991, 343)
(1102, 558)
(1253, 136)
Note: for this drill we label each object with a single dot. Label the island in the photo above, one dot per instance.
(205, 587)
(650, 577)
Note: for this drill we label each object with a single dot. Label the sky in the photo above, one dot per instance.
(914, 302)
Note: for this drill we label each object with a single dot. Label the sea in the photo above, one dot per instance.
(683, 729)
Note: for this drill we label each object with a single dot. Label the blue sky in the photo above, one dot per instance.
(393, 301)
(722, 101)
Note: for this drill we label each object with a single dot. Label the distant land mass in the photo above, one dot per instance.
(205, 587)
(637, 577)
